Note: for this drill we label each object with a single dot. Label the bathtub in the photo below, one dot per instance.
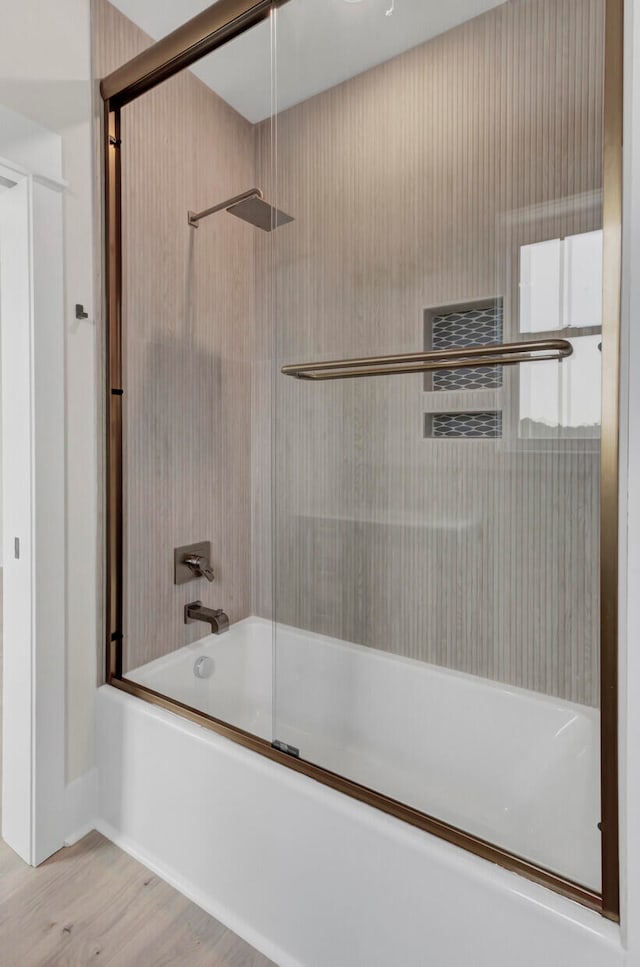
(315, 878)
(510, 766)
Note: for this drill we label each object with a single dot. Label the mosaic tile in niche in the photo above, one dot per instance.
(486, 425)
(458, 330)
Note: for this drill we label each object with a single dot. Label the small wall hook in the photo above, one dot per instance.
(80, 313)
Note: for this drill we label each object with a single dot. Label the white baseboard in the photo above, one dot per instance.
(199, 897)
(81, 803)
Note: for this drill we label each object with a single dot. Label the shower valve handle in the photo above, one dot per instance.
(200, 566)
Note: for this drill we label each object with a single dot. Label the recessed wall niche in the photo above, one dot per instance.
(475, 425)
(460, 326)
(476, 323)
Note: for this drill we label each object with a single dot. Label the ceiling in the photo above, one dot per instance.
(318, 43)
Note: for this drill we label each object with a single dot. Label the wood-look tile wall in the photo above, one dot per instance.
(188, 313)
(413, 185)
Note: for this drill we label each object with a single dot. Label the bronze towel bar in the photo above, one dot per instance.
(506, 354)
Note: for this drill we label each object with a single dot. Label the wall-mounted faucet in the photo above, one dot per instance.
(216, 618)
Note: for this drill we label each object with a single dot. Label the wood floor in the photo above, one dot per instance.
(93, 904)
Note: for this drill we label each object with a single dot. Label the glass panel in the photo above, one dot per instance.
(189, 338)
(561, 283)
(436, 587)
(563, 400)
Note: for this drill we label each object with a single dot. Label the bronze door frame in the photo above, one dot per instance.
(201, 35)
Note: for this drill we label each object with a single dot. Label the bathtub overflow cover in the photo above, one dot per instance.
(203, 667)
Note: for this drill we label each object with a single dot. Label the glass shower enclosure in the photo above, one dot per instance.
(362, 292)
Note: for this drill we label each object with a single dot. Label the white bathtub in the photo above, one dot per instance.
(514, 767)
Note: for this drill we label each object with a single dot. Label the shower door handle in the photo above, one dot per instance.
(505, 354)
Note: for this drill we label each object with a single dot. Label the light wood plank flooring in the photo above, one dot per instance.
(93, 904)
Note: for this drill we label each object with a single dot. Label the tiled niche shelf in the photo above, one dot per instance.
(477, 425)
(475, 323)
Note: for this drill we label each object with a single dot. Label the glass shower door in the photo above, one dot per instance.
(435, 400)
(194, 215)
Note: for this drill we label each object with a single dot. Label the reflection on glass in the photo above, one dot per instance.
(563, 400)
(561, 283)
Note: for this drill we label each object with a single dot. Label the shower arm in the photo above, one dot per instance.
(505, 354)
(195, 217)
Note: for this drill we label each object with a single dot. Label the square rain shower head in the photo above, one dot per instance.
(260, 213)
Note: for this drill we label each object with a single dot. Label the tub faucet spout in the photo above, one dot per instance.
(215, 617)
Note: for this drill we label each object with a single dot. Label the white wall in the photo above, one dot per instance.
(45, 74)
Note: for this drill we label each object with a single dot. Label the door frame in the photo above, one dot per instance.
(33, 446)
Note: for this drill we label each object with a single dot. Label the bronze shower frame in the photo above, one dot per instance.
(201, 35)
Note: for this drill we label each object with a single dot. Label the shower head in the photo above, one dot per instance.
(251, 207)
(260, 213)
